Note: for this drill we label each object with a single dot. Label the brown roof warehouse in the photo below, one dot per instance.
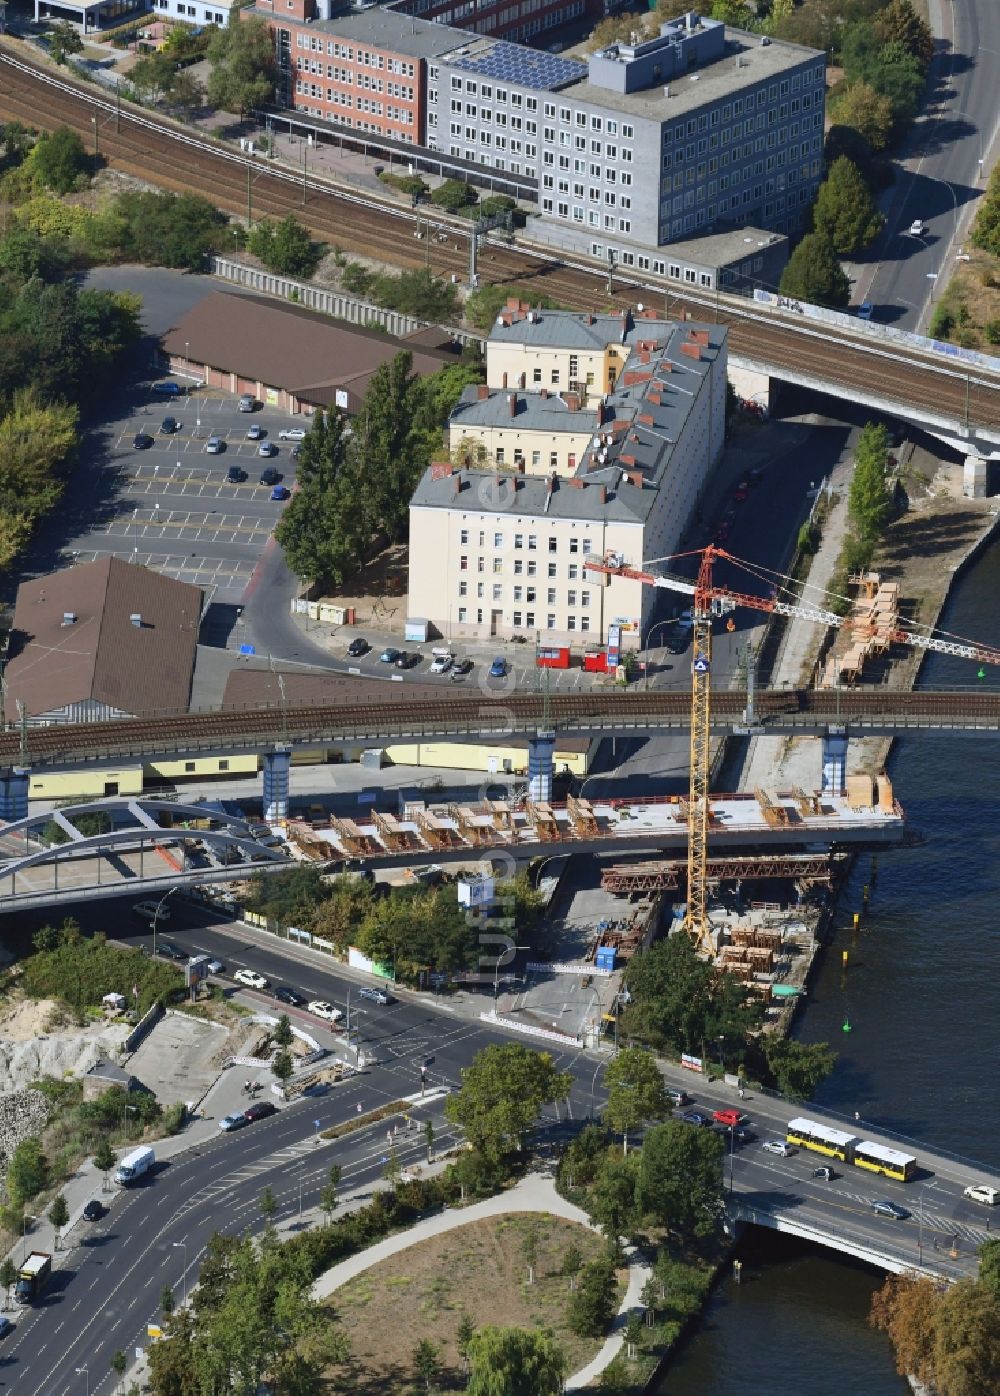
(291, 358)
(102, 639)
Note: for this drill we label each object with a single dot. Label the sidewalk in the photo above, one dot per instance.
(535, 1193)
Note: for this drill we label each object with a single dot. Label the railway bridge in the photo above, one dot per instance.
(958, 400)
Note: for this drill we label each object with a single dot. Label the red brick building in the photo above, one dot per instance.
(367, 70)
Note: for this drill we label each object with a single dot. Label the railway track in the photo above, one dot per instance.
(175, 159)
(406, 717)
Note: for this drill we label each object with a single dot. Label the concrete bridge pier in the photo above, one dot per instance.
(276, 770)
(834, 781)
(541, 764)
(14, 794)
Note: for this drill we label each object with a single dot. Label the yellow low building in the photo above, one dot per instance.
(572, 756)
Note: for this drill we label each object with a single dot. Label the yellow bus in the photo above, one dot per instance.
(880, 1159)
(809, 1134)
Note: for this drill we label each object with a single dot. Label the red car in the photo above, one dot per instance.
(730, 1118)
(259, 1111)
(741, 491)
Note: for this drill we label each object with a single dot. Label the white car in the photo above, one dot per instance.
(322, 1009)
(916, 229)
(250, 978)
(292, 434)
(442, 664)
(982, 1192)
(778, 1146)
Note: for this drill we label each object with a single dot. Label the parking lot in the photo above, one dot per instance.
(175, 510)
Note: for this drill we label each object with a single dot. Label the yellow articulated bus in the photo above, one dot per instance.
(862, 1153)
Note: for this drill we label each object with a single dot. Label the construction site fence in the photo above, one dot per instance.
(529, 1030)
(577, 967)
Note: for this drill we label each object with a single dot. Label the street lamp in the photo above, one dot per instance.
(84, 1372)
(125, 1114)
(670, 620)
(496, 971)
(156, 914)
(182, 1245)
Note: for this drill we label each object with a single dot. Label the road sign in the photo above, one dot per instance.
(700, 664)
(251, 649)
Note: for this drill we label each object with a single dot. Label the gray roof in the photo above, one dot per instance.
(532, 411)
(618, 479)
(572, 329)
(715, 82)
(399, 33)
(722, 249)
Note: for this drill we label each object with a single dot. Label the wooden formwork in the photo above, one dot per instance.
(474, 833)
(775, 815)
(352, 839)
(539, 815)
(582, 816)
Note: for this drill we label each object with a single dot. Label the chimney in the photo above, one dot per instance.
(552, 482)
(482, 392)
(544, 394)
(572, 401)
(512, 404)
(523, 381)
(635, 478)
(603, 497)
(692, 351)
(699, 336)
(503, 381)
(441, 469)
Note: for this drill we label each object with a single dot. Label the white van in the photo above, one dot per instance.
(982, 1192)
(441, 652)
(147, 911)
(134, 1166)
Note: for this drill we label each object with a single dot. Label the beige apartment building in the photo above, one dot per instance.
(549, 476)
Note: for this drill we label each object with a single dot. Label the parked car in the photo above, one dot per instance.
(358, 647)
(141, 441)
(168, 389)
(825, 1172)
(231, 1122)
(389, 656)
(289, 996)
(292, 434)
(441, 663)
(94, 1210)
(865, 310)
(982, 1192)
(255, 432)
(280, 492)
(259, 1111)
(269, 476)
(695, 1117)
(463, 666)
(498, 669)
(322, 1009)
(235, 475)
(5, 1326)
(250, 978)
(169, 950)
(677, 1097)
(247, 403)
(169, 425)
(407, 661)
(215, 445)
(778, 1146)
(267, 449)
(882, 1207)
(374, 995)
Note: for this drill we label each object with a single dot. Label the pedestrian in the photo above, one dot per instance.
(358, 1107)
(388, 1135)
(857, 1115)
(741, 1092)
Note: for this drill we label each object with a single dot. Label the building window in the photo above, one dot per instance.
(518, 540)
(497, 591)
(571, 622)
(584, 599)
(463, 588)
(584, 622)
(463, 615)
(479, 617)
(571, 598)
(552, 569)
(480, 564)
(480, 591)
(551, 596)
(498, 540)
(532, 542)
(536, 458)
(550, 621)
(518, 594)
(572, 571)
(517, 618)
(553, 459)
(499, 455)
(463, 537)
(463, 564)
(530, 594)
(532, 568)
(574, 545)
(498, 564)
(553, 545)
(529, 619)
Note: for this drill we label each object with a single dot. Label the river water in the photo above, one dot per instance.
(922, 998)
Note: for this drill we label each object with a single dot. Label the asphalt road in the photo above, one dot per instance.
(102, 1298)
(940, 176)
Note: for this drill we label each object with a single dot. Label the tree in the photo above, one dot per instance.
(989, 1266)
(283, 1035)
(454, 194)
(167, 1301)
(328, 1196)
(868, 502)
(64, 41)
(427, 1362)
(899, 23)
(284, 247)
(986, 229)
(152, 74)
(514, 1362)
(323, 529)
(268, 1204)
(8, 1278)
(282, 1066)
(612, 1197)
(60, 160)
(429, 1138)
(502, 1093)
(463, 1337)
(635, 1092)
(592, 1305)
(244, 72)
(798, 1067)
(27, 1172)
(530, 1250)
(682, 1002)
(104, 1159)
(813, 274)
(119, 1364)
(185, 93)
(845, 212)
(967, 1341)
(680, 1178)
(866, 111)
(58, 1214)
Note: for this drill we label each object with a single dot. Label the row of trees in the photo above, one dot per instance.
(945, 1336)
(414, 929)
(79, 970)
(680, 1002)
(413, 292)
(355, 482)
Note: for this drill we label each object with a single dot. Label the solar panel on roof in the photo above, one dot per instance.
(514, 63)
